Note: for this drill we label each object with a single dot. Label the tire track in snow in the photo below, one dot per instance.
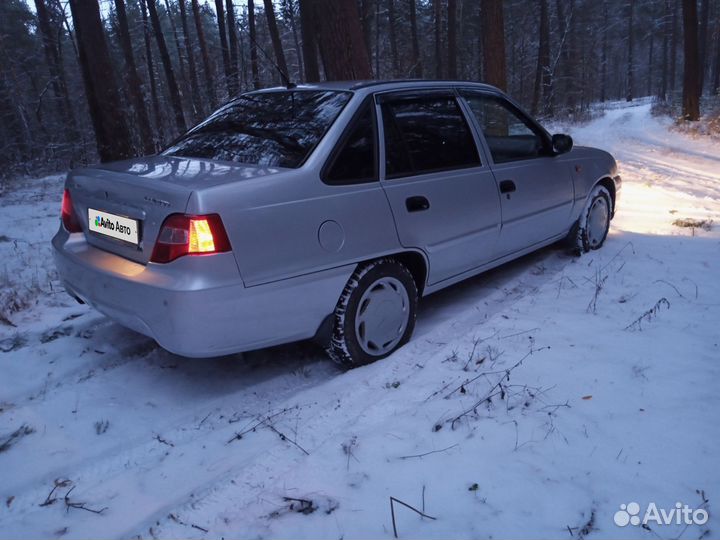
(155, 455)
(215, 496)
(679, 176)
(110, 465)
(50, 350)
(507, 286)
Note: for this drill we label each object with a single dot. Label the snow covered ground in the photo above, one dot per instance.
(532, 402)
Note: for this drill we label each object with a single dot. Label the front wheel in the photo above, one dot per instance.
(375, 314)
(591, 228)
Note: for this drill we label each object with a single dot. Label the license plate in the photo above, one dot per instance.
(118, 227)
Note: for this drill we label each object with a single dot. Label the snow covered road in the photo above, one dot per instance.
(533, 401)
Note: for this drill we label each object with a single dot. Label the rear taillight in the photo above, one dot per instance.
(181, 235)
(69, 219)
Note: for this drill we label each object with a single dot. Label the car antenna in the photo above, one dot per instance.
(288, 83)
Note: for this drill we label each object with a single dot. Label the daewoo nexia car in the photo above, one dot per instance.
(324, 211)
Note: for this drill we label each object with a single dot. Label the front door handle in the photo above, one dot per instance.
(417, 203)
(507, 186)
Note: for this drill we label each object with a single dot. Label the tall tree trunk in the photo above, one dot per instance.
(493, 43)
(563, 73)
(151, 73)
(175, 99)
(584, 60)
(111, 129)
(289, 15)
(309, 40)
(417, 70)
(366, 15)
(207, 66)
(452, 39)
(437, 23)
(703, 41)
(275, 38)
(691, 65)
(666, 41)
(543, 63)
(194, 85)
(233, 44)
(392, 23)
(58, 18)
(674, 48)
(134, 83)
(55, 68)
(243, 75)
(71, 35)
(716, 77)
(650, 58)
(604, 60)
(220, 12)
(181, 61)
(463, 53)
(480, 66)
(253, 45)
(341, 41)
(377, 39)
(571, 57)
(631, 39)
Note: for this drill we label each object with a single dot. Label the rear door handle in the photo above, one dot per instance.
(507, 186)
(417, 203)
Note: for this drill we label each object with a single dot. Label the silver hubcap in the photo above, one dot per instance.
(597, 221)
(382, 316)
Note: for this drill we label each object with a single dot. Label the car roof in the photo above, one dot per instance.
(381, 85)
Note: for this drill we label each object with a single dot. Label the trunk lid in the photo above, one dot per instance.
(147, 190)
(144, 190)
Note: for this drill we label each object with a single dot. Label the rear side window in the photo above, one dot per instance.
(426, 134)
(354, 161)
(272, 129)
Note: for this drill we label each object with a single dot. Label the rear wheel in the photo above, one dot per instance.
(375, 314)
(591, 228)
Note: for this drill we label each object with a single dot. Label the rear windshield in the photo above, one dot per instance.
(275, 129)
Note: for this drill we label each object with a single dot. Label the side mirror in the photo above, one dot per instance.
(562, 143)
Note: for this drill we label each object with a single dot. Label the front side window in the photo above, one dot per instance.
(426, 134)
(273, 129)
(508, 135)
(354, 162)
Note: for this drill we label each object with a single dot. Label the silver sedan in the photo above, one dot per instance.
(324, 211)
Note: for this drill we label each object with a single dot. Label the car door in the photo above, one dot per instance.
(443, 196)
(536, 190)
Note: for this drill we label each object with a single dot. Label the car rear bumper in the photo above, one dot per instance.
(197, 306)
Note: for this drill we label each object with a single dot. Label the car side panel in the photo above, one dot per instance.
(291, 225)
(587, 166)
(542, 205)
(459, 229)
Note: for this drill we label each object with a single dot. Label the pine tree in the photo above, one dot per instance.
(691, 67)
(111, 130)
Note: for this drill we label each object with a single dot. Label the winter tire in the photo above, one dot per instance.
(375, 314)
(591, 228)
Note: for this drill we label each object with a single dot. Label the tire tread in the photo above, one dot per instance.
(338, 349)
